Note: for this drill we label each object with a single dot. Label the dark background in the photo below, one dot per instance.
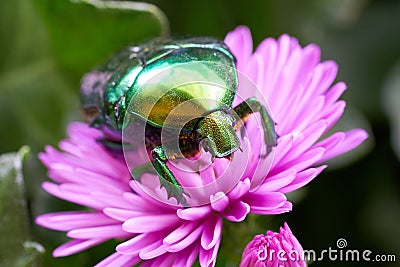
(46, 46)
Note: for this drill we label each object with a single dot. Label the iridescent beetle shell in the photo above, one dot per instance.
(187, 84)
(125, 77)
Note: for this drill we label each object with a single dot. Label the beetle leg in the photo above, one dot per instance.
(167, 178)
(251, 105)
(207, 148)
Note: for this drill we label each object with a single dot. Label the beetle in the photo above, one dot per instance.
(119, 87)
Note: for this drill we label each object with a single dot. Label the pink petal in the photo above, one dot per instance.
(105, 232)
(332, 141)
(268, 51)
(330, 70)
(166, 259)
(311, 57)
(285, 48)
(307, 139)
(147, 224)
(265, 200)
(333, 113)
(285, 144)
(239, 190)
(288, 79)
(310, 113)
(306, 160)
(119, 260)
(286, 207)
(134, 245)
(193, 255)
(275, 182)
(211, 233)
(122, 214)
(65, 221)
(187, 241)
(334, 93)
(352, 139)
(194, 214)
(302, 179)
(253, 75)
(238, 211)
(209, 257)
(67, 193)
(75, 246)
(179, 233)
(188, 258)
(152, 251)
(142, 202)
(322, 77)
(89, 178)
(219, 201)
(240, 43)
(110, 200)
(268, 203)
(262, 170)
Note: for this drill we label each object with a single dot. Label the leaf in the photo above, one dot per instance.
(15, 247)
(35, 100)
(84, 33)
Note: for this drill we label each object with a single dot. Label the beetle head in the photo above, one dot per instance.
(219, 136)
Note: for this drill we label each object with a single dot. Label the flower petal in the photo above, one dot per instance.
(134, 245)
(75, 246)
(211, 233)
(104, 232)
(187, 241)
(152, 251)
(65, 221)
(266, 202)
(193, 214)
(121, 214)
(302, 179)
(352, 139)
(209, 257)
(276, 182)
(147, 224)
(72, 193)
(238, 211)
(180, 232)
(219, 201)
(240, 43)
(119, 260)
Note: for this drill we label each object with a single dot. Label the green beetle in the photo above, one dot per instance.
(135, 82)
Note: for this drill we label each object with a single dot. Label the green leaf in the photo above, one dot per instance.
(15, 247)
(83, 33)
(35, 100)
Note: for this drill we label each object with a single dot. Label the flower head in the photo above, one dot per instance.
(304, 105)
(274, 249)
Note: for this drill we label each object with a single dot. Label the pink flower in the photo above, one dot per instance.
(303, 103)
(274, 249)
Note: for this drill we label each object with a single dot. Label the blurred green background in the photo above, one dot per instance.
(46, 46)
